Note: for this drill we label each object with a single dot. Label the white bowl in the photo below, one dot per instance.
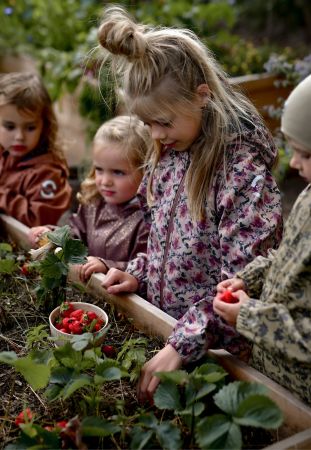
(67, 336)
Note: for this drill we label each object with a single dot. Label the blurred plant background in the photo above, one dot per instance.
(246, 36)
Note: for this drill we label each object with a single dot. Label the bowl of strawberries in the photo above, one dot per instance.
(74, 318)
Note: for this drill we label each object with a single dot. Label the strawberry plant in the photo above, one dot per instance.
(53, 262)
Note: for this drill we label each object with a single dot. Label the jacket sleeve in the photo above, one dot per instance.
(46, 197)
(254, 273)
(78, 224)
(138, 267)
(139, 245)
(249, 212)
(273, 328)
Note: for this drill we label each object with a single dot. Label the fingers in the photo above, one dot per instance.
(233, 284)
(117, 281)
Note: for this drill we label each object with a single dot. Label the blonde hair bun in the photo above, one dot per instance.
(120, 35)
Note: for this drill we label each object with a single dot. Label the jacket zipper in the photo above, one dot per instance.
(169, 232)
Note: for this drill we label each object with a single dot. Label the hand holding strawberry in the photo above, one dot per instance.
(228, 297)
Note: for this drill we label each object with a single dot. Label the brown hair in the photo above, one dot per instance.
(26, 91)
(160, 70)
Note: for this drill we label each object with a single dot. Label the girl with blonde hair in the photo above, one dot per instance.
(109, 220)
(34, 184)
(213, 200)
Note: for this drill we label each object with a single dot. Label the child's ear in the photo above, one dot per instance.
(203, 92)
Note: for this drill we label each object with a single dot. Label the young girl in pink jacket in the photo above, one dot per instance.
(213, 201)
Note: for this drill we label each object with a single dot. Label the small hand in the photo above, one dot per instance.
(93, 265)
(166, 360)
(35, 234)
(117, 281)
(229, 311)
(232, 284)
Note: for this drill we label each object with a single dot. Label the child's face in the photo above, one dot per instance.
(301, 160)
(116, 180)
(176, 130)
(19, 131)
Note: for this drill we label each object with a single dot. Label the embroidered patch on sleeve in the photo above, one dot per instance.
(48, 188)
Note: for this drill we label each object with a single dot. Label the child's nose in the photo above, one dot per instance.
(157, 132)
(106, 179)
(294, 162)
(19, 133)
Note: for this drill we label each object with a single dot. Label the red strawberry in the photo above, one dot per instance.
(109, 351)
(76, 327)
(62, 424)
(25, 269)
(66, 309)
(91, 315)
(24, 416)
(228, 297)
(77, 314)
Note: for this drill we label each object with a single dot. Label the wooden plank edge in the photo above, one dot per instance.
(155, 322)
(16, 230)
(299, 441)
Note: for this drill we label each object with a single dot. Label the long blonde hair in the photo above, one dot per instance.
(128, 132)
(164, 67)
(26, 91)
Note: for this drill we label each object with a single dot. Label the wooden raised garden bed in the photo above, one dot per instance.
(296, 431)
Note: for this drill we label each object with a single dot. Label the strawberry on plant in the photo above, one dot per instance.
(24, 416)
(228, 297)
(109, 351)
(25, 269)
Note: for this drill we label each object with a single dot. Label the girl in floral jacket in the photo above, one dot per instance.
(275, 313)
(213, 201)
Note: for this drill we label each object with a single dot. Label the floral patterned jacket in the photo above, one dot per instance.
(186, 259)
(278, 317)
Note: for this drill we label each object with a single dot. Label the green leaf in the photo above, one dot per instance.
(60, 235)
(61, 375)
(259, 411)
(75, 252)
(179, 377)
(193, 410)
(140, 438)
(67, 356)
(232, 395)
(108, 370)
(37, 375)
(52, 267)
(53, 392)
(75, 383)
(5, 247)
(7, 266)
(95, 426)
(167, 396)
(169, 436)
(218, 432)
(210, 373)
(8, 357)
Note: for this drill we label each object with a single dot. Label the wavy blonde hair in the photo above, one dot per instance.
(130, 133)
(160, 70)
(26, 91)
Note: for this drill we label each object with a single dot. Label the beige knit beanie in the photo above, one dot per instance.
(296, 117)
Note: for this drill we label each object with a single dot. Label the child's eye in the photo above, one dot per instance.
(119, 172)
(31, 127)
(9, 126)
